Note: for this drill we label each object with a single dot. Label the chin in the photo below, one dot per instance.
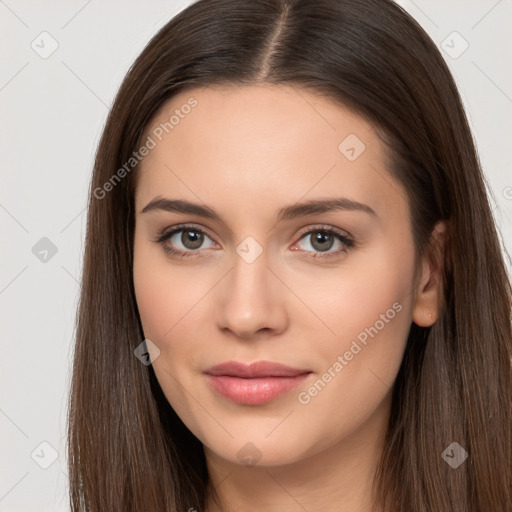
(260, 452)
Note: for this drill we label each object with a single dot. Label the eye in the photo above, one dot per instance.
(323, 239)
(183, 241)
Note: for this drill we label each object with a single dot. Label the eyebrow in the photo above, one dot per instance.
(293, 211)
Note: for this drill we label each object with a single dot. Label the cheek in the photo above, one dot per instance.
(369, 307)
(173, 304)
(372, 289)
(169, 303)
(155, 299)
(164, 294)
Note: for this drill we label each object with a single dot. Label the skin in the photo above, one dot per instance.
(246, 152)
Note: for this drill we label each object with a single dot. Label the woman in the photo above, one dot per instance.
(294, 297)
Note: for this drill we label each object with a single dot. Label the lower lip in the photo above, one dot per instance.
(254, 391)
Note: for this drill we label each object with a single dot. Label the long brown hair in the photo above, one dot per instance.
(128, 450)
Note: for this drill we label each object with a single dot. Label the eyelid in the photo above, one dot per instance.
(325, 227)
(168, 232)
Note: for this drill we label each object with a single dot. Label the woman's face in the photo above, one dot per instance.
(266, 282)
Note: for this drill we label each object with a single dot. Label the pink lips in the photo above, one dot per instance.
(256, 383)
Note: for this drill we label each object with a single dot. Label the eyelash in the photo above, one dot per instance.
(166, 234)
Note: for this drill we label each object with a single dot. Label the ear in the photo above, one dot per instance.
(430, 285)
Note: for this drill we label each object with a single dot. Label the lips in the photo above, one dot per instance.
(256, 383)
(255, 370)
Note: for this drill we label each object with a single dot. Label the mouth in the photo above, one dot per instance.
(254, 384)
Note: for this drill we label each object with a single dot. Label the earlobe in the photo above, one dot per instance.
(428, 297)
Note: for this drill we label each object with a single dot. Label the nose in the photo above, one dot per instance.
(251, 301)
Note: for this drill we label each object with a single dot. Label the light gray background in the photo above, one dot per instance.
(52, 113)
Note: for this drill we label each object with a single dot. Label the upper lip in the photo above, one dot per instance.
(253, 370)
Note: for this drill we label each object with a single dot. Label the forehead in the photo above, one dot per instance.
(264, 143)
(260, 118)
